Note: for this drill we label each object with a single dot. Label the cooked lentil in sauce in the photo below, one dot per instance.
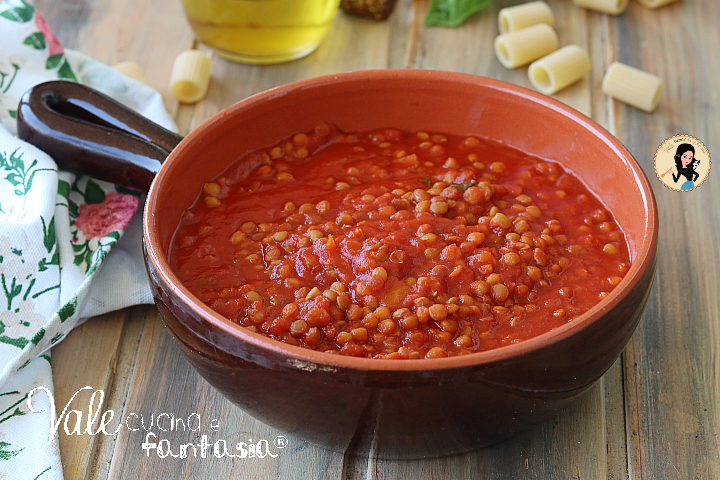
(388, 244)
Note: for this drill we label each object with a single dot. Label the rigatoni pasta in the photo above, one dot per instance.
(632, 86)
(526, 15)
(559, 69)
(132, 70)
(615, 7)
(523, 46)
(655, 3)
(190, 76)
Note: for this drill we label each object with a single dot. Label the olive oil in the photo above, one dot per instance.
(261, 31)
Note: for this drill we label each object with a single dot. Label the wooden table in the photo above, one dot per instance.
(655, 414)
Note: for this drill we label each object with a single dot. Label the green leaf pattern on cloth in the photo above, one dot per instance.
(56, 232)
(20, 12)
(37, 45)
(17, 174)
(35, 40)
(30, 262)
(98, 220)
(53, 62)
(5, 452)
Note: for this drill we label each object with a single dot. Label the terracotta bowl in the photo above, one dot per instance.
(404, 409)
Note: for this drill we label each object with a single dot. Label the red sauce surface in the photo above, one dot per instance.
(389, 244)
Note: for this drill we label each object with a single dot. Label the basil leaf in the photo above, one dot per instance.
(451, 13)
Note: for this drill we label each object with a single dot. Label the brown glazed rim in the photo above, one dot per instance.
(314, 360)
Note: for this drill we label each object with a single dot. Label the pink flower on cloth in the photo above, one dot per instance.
(54, 46)
(114, 213)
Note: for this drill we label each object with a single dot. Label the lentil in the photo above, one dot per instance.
(420, 251)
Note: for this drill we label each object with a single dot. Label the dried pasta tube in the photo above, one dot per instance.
(559, 69)
(190, 76)
(615, 7)
(655, 3)
(632, 86)
(132, 70)
(523, 46)
(526, 15)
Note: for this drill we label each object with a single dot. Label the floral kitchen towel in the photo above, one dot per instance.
(70, 246)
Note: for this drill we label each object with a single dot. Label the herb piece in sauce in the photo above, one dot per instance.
(461, 187)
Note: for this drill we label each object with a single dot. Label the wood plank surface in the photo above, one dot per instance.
(673, 360)
(107, 366)
(656, 412)
(167, 383)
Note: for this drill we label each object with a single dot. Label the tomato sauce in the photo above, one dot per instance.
(390, 244)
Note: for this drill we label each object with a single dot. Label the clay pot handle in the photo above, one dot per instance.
(87, 132)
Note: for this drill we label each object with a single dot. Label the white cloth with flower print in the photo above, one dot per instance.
(62, 258)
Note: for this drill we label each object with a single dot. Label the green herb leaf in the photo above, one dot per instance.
(427, 181)
(463, 186)
(451, 13)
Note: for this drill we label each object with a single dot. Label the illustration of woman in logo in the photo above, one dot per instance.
(686, 164)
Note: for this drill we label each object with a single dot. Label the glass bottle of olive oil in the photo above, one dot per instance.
(261, 31)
